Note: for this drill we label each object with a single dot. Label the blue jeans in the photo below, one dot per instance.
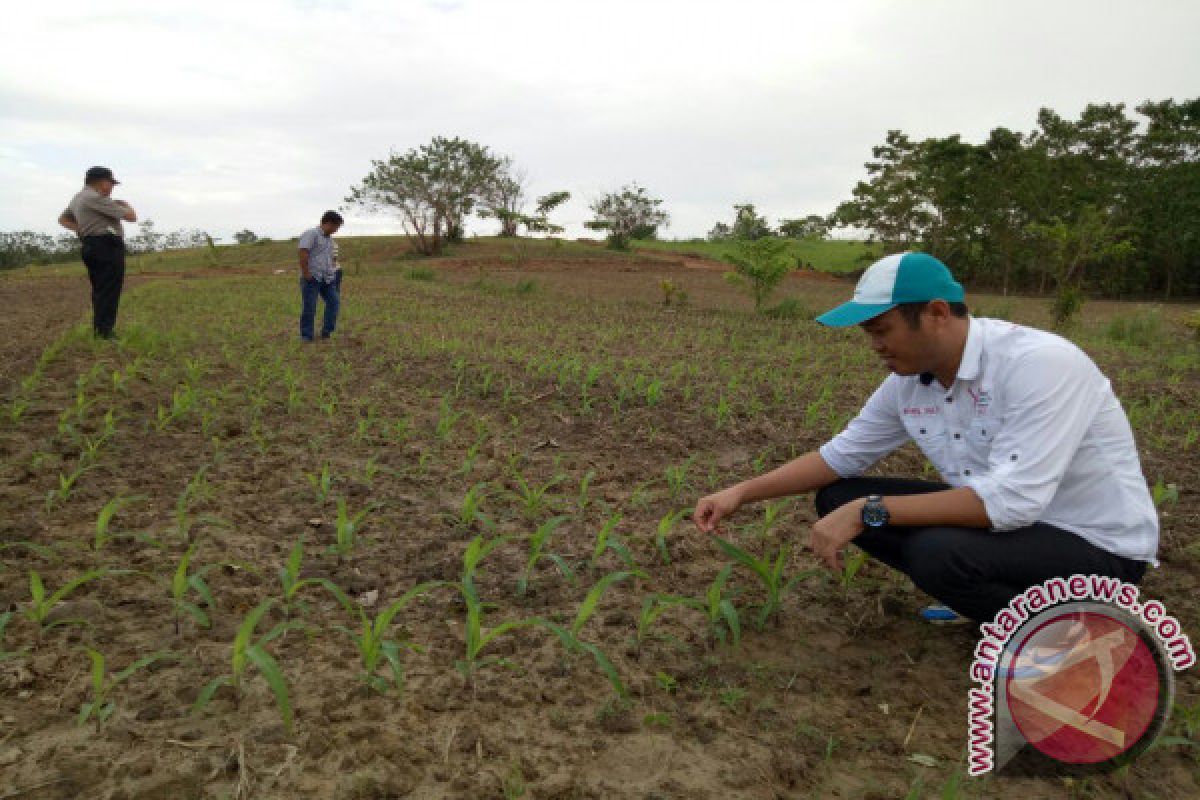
(309, 290)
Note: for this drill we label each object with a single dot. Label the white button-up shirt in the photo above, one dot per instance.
(1031, 425)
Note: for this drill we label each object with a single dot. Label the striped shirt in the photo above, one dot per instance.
(320, 254)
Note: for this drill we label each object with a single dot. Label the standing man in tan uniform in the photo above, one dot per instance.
(96, 217)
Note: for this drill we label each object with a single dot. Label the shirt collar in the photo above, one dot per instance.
(968, 368)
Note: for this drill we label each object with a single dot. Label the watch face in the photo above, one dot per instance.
(874, 514)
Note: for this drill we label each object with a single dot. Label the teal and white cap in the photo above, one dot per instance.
(892, 280)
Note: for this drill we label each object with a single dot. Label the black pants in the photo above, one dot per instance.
(974, 571)
(104, 257)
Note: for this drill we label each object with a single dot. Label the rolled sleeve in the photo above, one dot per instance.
(873, 434)
(308, 240)
(106, 206)
(1053, 396)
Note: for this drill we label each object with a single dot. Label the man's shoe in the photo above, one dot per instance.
(942, 615)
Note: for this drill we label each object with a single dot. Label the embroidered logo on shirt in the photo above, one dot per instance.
(982, 400)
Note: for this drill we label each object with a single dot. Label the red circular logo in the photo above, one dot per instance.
(1083, 688)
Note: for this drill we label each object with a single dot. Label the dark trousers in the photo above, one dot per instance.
(974, 571)
(104, 257)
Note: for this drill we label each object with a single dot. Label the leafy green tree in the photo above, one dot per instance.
(628, 214)
(433, 188)
(1090, 238)
(245, 236)
(813, 226)
(747, 224)
(759, 266)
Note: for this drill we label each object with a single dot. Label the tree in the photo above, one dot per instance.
(1090, 238)
(720, 233)
(148, 239)
(760, 265)
(433, 188)
(630, 213)
(747, 224)
(814, 226)
(540, 221)
(245, 236)
(505, 201)
(505, 198)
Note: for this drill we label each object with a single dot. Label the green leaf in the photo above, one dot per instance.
(142, 663)
(197, 614)
(241, 642)
(179, 580)
(606, 666)
(730, 615)
(206, 694)
(588, 606)
(270, 670)
(97, 673)
(198, 583)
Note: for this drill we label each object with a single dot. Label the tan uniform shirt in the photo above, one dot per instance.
(96, 214)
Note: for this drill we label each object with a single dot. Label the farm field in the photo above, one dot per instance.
(446, 554)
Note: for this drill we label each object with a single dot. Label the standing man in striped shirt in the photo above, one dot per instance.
(96, 218)
(318, 276)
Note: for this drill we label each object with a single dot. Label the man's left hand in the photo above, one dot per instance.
(834, 531)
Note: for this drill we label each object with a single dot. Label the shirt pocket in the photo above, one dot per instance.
(929, 434)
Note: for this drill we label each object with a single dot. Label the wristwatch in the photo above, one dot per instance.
(875, 513)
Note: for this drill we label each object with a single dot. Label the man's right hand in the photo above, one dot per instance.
(307, 275)
(712, 509)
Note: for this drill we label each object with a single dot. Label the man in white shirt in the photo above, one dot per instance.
(1040, 472)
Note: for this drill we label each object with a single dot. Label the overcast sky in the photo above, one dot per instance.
(262, 113)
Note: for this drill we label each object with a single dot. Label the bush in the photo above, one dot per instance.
(1192, 323)
(1002, 310)
(1067, 302)
(790, 308)
(420, 274)
(1140, 329)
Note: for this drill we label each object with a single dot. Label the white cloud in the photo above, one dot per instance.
(226, 115)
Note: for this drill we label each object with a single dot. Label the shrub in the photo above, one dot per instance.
(420, 274)
(790, 308)
(1140, 329)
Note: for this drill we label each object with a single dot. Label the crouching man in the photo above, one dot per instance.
(1040, 473)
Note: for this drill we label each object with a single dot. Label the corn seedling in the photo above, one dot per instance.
(196, 490)
(582, 500)
(724, 623)
(447, 419)
(183, 400)
(101, 707)
(586, 609)
(247, 650)
(851, 564)
(1164, 494)
(184, 583)
(292, 584)
(374, 646)
(321, 482)
(469, 512)
(606, 540)
(665, 526)
(66, 484)
(537, 551)
(42, 606)
(677, 480)
(769, 573)
(346, 528)
(104, 534)
(532, 498)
